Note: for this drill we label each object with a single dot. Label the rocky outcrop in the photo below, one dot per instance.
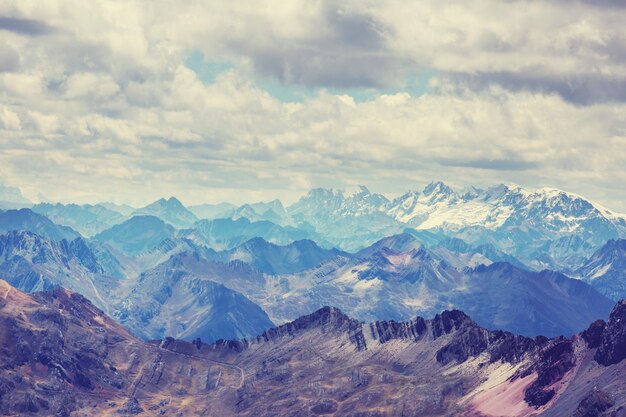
(383, 331)
(473, 340)
(593, 334)
(612, 348)
(596, 404)
(554, 361)
(448, 321)
(329, 318)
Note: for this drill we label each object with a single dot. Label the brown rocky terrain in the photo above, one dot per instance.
(61, 356)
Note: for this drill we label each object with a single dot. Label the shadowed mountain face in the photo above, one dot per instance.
(33, 263)
(171, 300)
(26, 219)
(61, 356)
(274, 259)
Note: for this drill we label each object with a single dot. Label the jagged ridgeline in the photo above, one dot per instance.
(63, 356)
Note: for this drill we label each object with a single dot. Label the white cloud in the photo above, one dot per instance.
(102, 105)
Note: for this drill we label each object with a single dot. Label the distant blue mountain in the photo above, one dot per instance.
(123, 209)
(274, 259)
(213, 211)
(136, 235)
(349, 221)
(26, 219)
(223, 234)
(171, 300)
(272, 211)
(170, 211)
(87, 219)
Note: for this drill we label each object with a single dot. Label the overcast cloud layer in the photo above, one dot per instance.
(99, 100)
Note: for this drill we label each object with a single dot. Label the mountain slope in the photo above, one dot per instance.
(60, 355)
(136, 235)
(26, 219)
(275, 260)
(33, 263)
(383, 283)
(606, 269)
(171, 301)
(548, 303)
(170, 211)
(165, 301)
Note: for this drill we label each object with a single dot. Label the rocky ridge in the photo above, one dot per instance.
(61, 356)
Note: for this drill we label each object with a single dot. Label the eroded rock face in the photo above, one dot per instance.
(448, 321)
(554, 361)
(384, 331)
(612, 348)
(593, 334)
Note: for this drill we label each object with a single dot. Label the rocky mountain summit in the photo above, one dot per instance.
(62, 356)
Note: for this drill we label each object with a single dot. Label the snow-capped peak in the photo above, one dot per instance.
(437, 187)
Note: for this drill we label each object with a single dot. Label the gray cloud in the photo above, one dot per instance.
(29, 27)
(582, 89)
(618, 4)
(505, 164)
(346, 48)
(9, 58)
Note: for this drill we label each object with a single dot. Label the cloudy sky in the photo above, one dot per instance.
(241, 101)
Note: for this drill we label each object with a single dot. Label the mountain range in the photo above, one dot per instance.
(174, 288)
(62, 356)
(87, 219)
(543, 228)
(223, 309)
(481, 251)
(383, 283)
